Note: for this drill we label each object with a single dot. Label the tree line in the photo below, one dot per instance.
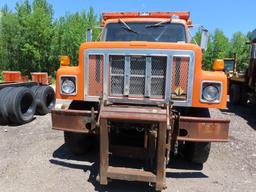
(31, 39)
(220, 47)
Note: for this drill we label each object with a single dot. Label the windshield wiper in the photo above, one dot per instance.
(160, 24)
(127, 27)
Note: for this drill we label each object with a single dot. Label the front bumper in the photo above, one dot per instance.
(191, 128)
(72, 120)
(203, 129)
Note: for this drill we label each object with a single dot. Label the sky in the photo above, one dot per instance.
(228, 15)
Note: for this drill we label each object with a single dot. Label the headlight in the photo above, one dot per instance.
(211, 92)
(68, 85)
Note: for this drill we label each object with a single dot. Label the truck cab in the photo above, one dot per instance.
(137, 37)
(143, 72)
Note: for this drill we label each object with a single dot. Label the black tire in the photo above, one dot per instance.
(21, 105)
(197, 152)
(78, 143)
(199, 112)
(82, 105)
(4, 95)
(45, 99)
(244, 95)
(235, 94)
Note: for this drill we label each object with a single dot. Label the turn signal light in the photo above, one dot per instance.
(218, 65)
(64, 60)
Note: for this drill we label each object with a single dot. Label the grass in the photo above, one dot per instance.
(53, 81)
(1, 78)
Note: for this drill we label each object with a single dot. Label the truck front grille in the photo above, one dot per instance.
(179, 85)
(140, 75)
(117, 75)
(158, 76)
(137, 76)
(95, 75)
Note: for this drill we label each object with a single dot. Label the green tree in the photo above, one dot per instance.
(249, 36)
(37, 34)
(221, 45)
(26, 36)
(31, 41)
(9, 39)
(207, 55)
(218, 47)
(238, 46)
(70, 32)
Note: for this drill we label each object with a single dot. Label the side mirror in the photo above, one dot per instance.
(89, 35)
(218, 65)
(204, 39)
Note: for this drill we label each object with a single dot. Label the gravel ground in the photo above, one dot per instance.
(33, 158)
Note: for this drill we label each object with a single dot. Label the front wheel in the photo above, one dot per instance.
(235, 94)
(78, 143)
(197, 152)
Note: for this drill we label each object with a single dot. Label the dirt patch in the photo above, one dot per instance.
(33, 158)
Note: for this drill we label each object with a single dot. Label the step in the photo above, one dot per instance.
(130, 174)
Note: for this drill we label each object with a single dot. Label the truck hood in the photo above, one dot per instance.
(141, 45)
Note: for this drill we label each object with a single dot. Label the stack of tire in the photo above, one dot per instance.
(18, 105)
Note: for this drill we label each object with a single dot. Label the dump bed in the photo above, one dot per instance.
(164, 15)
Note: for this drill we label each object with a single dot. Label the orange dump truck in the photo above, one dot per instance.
(142, 90)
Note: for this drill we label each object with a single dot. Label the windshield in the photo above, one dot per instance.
(147, 31)
(229, 64)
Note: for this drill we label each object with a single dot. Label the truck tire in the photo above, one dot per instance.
(21, 105)
(4, 95)
(244, 95)
(197, 152)
(45, 99)
(235, 94)
(78, 143)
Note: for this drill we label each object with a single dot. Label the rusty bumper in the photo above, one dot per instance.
(191, 128)
(203, 129)
(71, 120)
